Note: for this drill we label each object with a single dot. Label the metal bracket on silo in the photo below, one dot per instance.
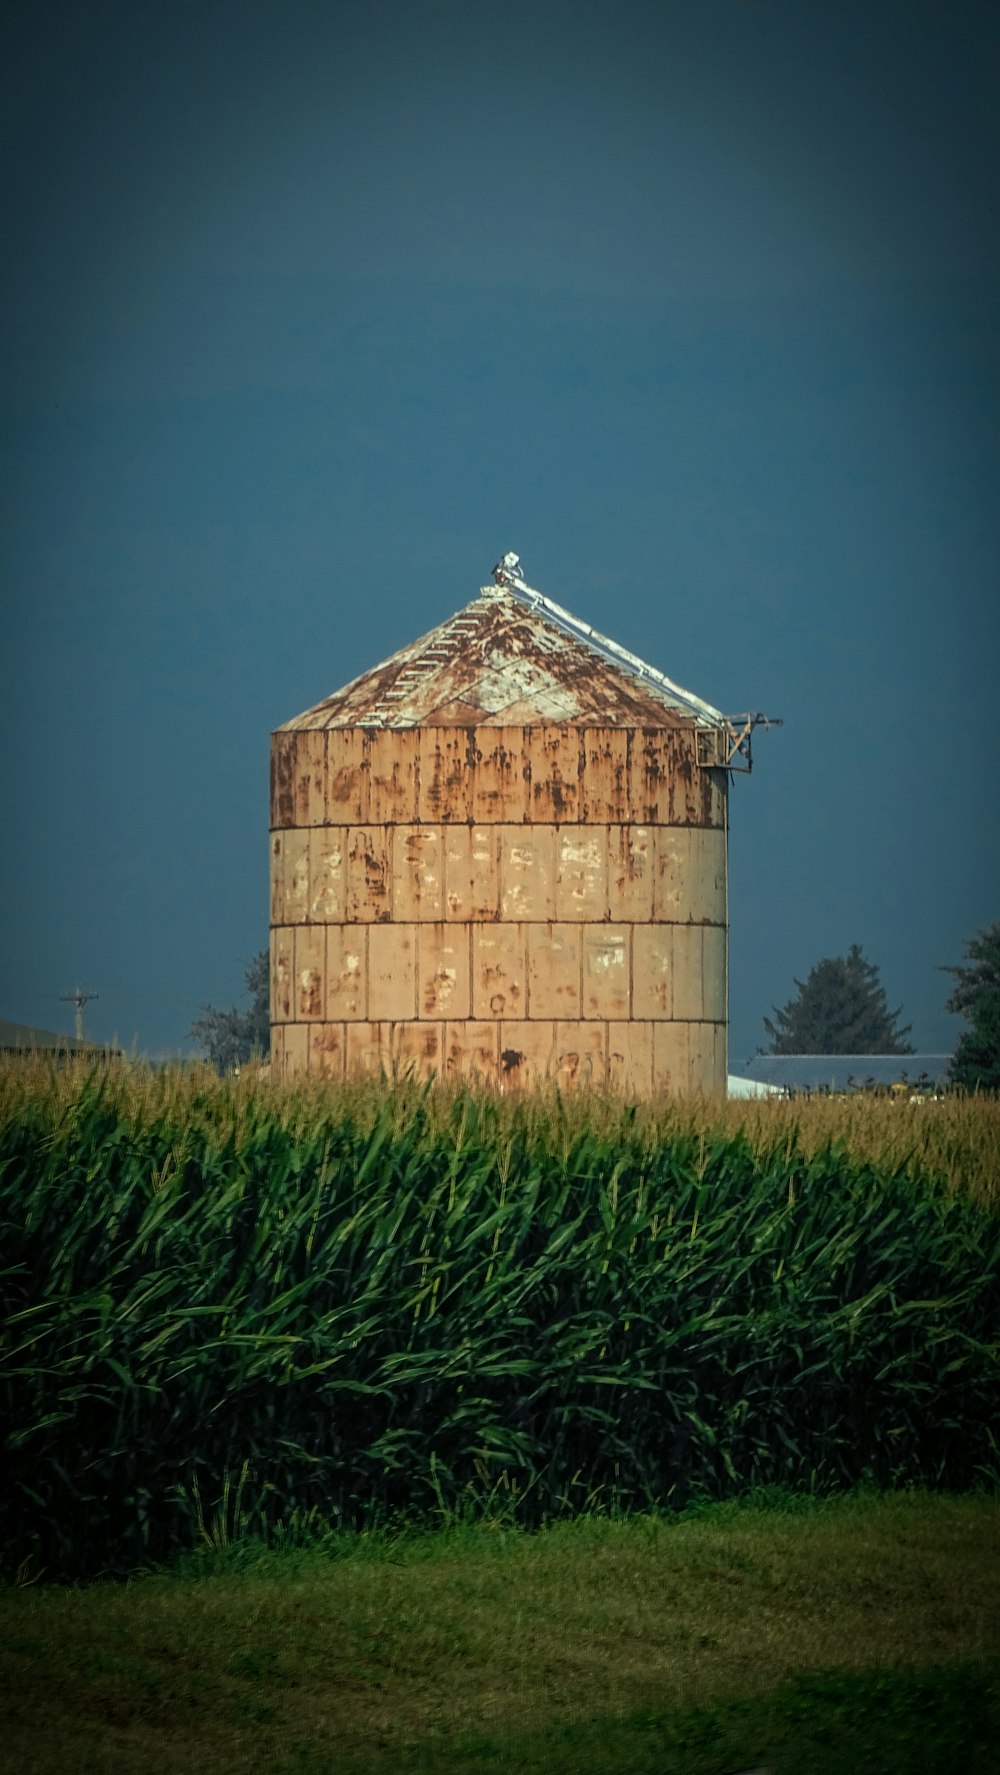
(741, 729)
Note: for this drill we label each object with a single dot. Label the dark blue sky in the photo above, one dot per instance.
(312, 310)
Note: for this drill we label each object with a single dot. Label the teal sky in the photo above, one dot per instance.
(311, 311)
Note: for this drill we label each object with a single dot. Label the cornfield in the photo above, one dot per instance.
(234, 1308)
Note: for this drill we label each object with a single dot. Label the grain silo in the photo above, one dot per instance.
(504, 851)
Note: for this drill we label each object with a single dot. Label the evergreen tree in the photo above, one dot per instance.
(231, 1038)
(976, 1060)
(840, 1009)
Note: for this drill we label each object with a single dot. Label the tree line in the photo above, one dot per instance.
(840, 1008)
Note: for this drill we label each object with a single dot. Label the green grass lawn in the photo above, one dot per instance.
(852, 1635)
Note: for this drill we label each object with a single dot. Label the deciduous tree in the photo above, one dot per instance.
(231, 1038)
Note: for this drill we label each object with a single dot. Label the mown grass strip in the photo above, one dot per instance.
(794, 1634)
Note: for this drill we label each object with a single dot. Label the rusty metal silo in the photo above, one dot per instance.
(504, 851)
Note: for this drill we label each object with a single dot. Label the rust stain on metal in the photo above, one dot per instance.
(444, 785)
(392, 776)
(347, 773)
(327, 874)
(498, 970)
(443, 985)
(310, 951)
(418, 873)
(309, 779)
(327, 1050)
(369, 874)
(605, 768)
(283, 749)
(630, 872)
(580, 1055)
(347, 973)
(282, 964)
(419, 1045)
(472, 1047)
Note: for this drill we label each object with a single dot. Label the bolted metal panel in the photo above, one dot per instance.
(527, 873)
(554, 970)
(714, 985)
(472, 1048)
(671, 873)
(310, 970)
(708, 1058)
(347, 972)
(471, 873)
(606, 970)
(630, 1058)
(672, 1058)
(689, 877)
(552, 759)
(630, 873)
(347, 777)
(604, 775)
(327, 902)
(420, 1046)
(653, 965)
(368, 1047)
(500, 776)
(293, 864)
(689, 962)
(499, 970)
(393, 767)
(392, 972)
(706, 891)
(283, 746)
(418, 873)
(699, 972)
(689, 1057)
(446, 766)
(668, 784)
(282, 968)
(277, 877)
(443, 988)
(369, 874)
(720, 1058)
(309, 781)
(580, 1055)
(526, 1052)
(296, 1049)
(327, 1050)
(581, 873)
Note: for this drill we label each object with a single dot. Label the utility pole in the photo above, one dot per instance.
(79, 998)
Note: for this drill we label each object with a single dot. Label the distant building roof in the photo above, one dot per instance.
(508, 660)
(737, 1087)
(21, 1038)
(844, 1072)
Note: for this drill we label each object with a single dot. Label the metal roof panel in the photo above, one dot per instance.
(502, 662)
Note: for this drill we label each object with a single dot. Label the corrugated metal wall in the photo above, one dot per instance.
(511, 900)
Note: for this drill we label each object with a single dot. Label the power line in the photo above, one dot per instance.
(79, 998)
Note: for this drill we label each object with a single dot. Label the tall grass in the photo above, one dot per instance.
(230, 1306)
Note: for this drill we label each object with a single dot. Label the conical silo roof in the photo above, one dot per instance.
(507, 661)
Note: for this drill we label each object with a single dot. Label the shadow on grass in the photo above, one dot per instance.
(940, 1722)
